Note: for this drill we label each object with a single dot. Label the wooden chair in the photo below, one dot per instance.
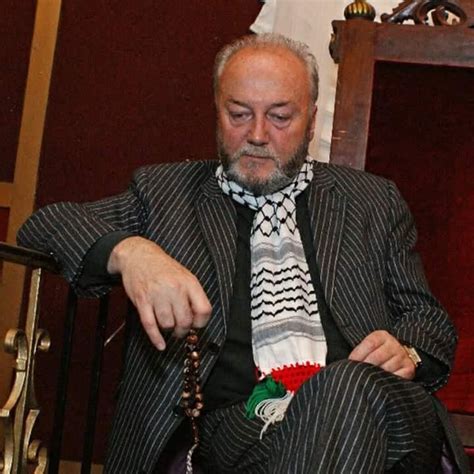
(404, 110)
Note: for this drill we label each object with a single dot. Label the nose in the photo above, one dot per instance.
(258, 133)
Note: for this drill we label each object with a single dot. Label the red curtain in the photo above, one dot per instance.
(421, 136)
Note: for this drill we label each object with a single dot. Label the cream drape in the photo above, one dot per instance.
(310, 21)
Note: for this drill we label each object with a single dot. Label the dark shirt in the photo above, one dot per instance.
(233, 377)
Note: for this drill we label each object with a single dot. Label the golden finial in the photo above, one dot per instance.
(359, 9)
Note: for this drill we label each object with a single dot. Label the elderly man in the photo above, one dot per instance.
(320, 341)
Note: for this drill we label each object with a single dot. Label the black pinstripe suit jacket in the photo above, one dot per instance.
(363, 236)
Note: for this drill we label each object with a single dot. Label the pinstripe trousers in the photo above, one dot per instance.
(349, 418)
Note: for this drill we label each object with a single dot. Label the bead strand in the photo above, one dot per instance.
(191, 398)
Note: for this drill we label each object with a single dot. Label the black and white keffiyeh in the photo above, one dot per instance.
(287, 335)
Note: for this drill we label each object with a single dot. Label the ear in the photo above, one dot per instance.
(312, 123)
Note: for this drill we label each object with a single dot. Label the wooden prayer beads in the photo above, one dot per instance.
(191, 398)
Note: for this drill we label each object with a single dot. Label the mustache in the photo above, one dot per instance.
(253, 150)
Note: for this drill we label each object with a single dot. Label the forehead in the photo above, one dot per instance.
(265, 72)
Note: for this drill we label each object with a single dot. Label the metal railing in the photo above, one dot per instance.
(20, 412)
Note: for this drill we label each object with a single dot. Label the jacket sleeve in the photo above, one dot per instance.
(67, 231)
(419, 319)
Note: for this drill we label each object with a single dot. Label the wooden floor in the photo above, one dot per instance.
(69, 467)
(465, 427)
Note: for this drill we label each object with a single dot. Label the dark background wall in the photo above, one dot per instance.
(16, 30)
(131, 86)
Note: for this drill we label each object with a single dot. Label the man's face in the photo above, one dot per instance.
(265, 118)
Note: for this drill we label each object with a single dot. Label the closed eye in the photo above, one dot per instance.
(280, 119)
(239, 116)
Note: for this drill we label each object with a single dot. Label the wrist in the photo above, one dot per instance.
(119, 254)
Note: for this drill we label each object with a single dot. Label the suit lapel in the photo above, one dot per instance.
(327, 207)
(217, 219)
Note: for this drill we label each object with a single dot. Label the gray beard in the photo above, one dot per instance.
(279, 178)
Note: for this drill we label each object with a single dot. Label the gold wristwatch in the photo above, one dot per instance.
(413, 355)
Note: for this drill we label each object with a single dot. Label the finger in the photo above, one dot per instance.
(379, 357)
(201, 308)
(373, 342)
(407, 368)
(183, 317)
(393, 365)
(150, 325)
(406, 372)
(164, 316)
(359, 353)
(364, 349)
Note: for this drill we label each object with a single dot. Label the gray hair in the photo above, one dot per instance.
(269, 40)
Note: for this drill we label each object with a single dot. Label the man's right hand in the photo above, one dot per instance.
(167, 296)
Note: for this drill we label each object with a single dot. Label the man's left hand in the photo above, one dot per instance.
(380, 348)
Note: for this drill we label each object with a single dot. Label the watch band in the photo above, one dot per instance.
(413, 355)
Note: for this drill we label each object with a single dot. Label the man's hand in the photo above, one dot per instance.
(380, 348)
(166, 295)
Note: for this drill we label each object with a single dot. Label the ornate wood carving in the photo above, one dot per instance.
(439, 10)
